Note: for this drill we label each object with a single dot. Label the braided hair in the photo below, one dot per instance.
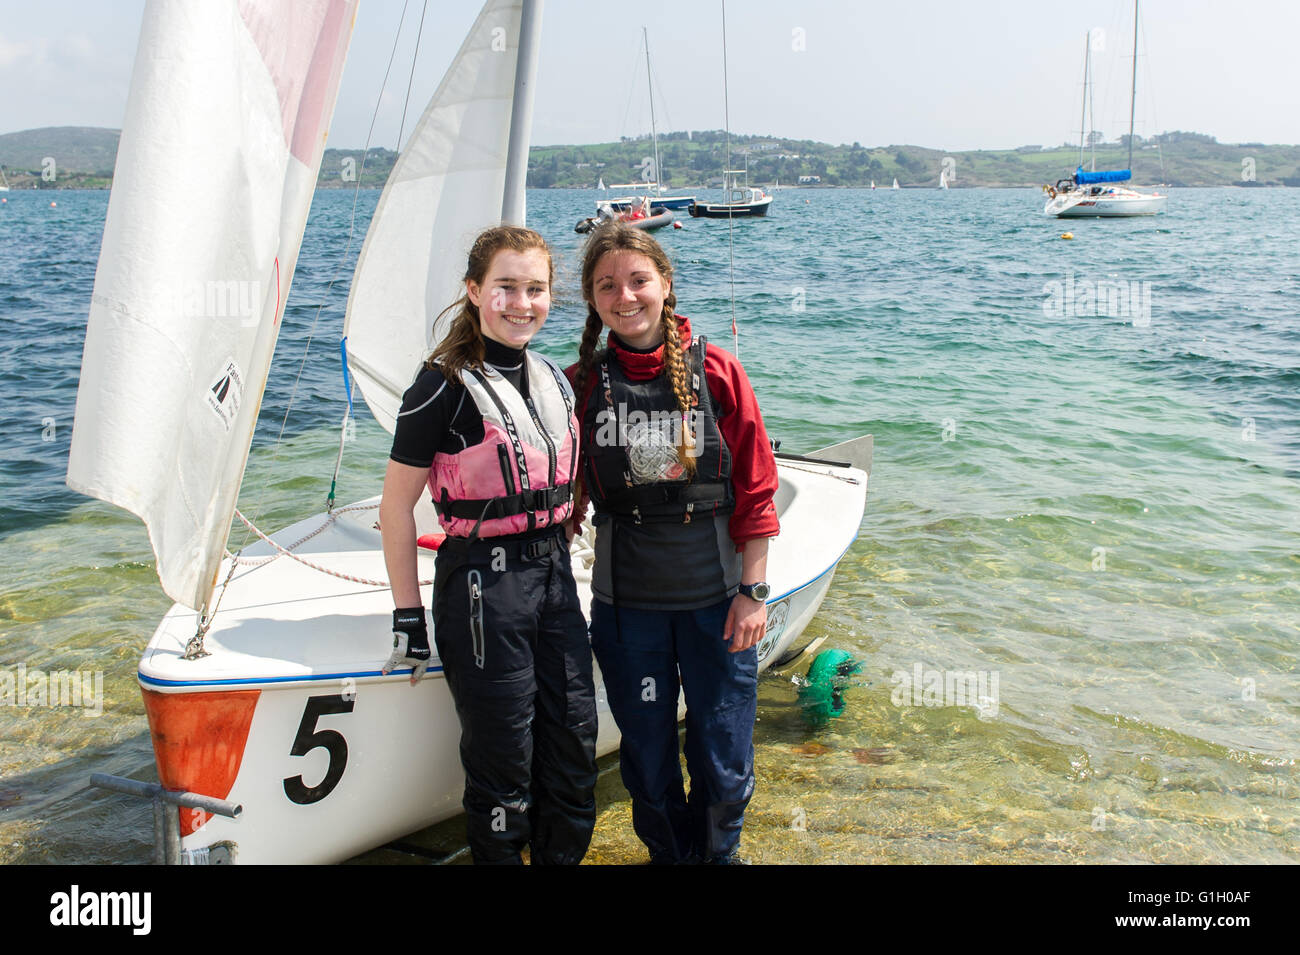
(617, 237)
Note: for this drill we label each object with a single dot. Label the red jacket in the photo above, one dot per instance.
(753, 467)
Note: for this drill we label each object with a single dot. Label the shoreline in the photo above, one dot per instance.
(592, 189)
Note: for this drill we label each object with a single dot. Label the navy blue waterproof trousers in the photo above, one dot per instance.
(513, 643)
(641, 655)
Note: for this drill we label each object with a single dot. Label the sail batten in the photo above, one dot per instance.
(221, 144)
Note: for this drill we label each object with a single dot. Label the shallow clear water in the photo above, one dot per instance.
(1099, 510)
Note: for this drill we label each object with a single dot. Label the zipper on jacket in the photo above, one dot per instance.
(507, 478)
(476, 616)
(550, 445)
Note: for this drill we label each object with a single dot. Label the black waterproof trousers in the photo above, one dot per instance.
(513, 643)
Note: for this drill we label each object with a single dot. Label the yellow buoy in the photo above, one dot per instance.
(1067, 235)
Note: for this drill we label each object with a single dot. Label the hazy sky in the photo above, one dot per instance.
(951, 74)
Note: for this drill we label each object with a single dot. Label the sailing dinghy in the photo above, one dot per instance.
(262, 684)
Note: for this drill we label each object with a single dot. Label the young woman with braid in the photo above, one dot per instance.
(678, 465)
(489, 427)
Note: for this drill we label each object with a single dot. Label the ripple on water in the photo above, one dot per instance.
(1093, 511)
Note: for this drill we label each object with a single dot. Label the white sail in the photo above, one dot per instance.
(445, 188)
(221, 143)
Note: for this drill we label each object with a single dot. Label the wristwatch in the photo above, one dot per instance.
(758, 591)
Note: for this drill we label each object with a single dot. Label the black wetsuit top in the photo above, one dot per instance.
(440, 418)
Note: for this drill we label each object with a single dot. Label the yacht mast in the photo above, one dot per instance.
(1088, 82)
(1083, 104)
(1132, 103)
(654, 132)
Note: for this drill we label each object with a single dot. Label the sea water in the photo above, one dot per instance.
(1074, 592)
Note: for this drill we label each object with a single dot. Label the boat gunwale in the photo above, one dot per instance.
(149, 681)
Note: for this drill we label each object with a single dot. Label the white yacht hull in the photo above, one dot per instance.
(1069, 206)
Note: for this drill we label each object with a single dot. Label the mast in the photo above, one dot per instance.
(1132, 103)
(1088, 81)
(1083, 104)
(521, 113)
(654, 132)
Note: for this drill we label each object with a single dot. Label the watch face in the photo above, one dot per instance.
(760, 591)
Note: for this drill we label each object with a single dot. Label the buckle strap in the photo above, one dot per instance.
(642, 495)
(524, 502)
(540, 548)
(530, 548)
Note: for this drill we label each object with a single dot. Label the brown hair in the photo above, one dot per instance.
(463, 346)
(617, 237)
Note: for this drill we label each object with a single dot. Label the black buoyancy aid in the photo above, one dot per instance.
(631, 430)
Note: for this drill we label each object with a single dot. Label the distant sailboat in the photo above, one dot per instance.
(654, 185)
(873, 184)
(943, 180)
(895, 185)
(601, 184)
(1096, 193)
(4, 183)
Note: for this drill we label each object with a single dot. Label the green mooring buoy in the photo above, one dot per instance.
(822, 696)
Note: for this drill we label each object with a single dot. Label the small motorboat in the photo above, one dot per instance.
(657, 218)
(742, 203)
(625, 203)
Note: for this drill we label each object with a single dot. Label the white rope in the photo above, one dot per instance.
(287, 551)
(582, 549)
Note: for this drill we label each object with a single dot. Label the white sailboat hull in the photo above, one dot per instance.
(1068, 206)
(293, 667)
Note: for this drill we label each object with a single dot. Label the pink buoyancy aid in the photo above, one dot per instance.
(520, 477)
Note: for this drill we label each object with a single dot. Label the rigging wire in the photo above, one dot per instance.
(731, 219)
(632, 87)
(1151, 100)
(333, 278)
(410, 80)
(663, 103)
(401, 129)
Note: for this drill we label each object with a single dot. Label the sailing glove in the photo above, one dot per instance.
(410, 643)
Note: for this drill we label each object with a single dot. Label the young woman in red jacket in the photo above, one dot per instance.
(677, 463)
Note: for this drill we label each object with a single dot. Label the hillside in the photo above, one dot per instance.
(84, 156)
(1181, 159)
